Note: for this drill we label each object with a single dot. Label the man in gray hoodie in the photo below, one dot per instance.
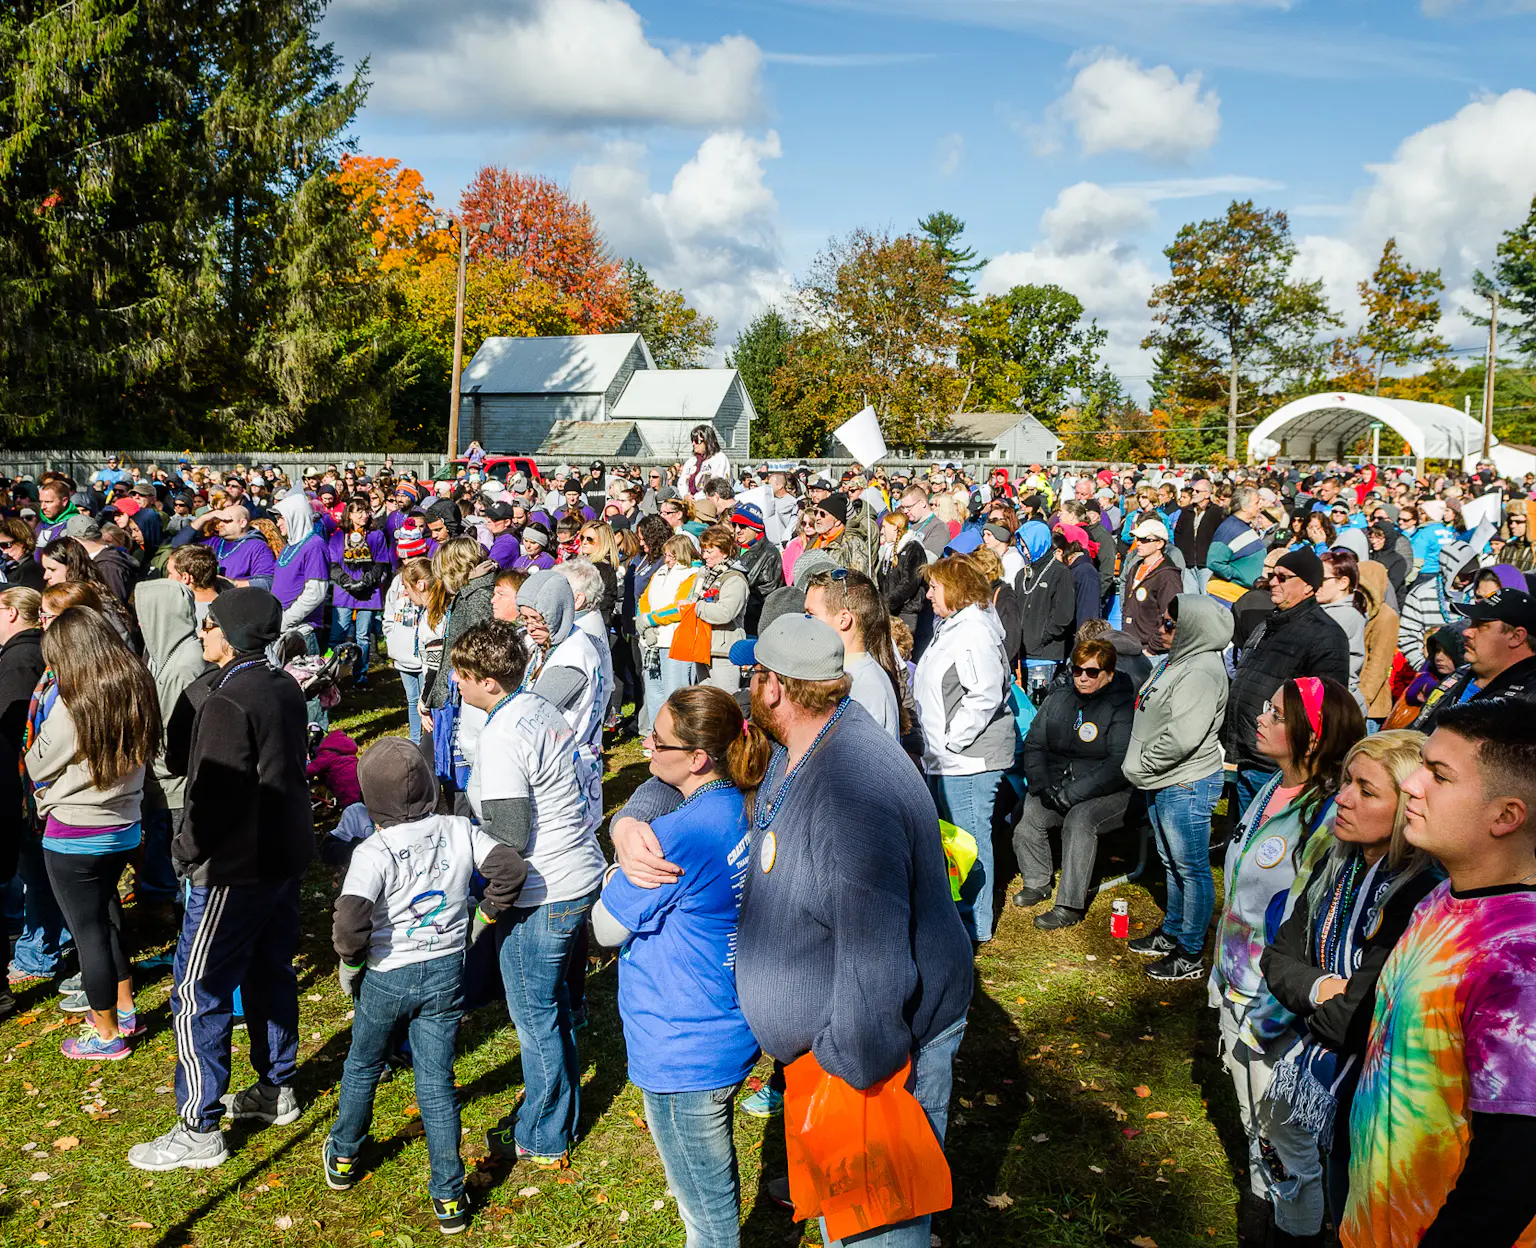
(1175, 756)
(174, 654)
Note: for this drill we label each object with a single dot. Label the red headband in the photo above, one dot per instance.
(1311, 690)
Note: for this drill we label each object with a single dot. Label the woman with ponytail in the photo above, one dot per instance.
(689, 1043)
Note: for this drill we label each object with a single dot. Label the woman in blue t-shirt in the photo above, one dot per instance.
(689, 1044)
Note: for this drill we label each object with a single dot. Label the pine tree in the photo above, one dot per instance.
(676, 334)
(942, 231)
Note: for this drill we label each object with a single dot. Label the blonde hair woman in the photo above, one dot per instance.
(1325, 960)
(465, 582)
(656, 623)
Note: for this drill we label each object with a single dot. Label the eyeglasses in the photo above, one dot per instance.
(1086, 671)
(1270, 710)
(588, 540)
(658, 747)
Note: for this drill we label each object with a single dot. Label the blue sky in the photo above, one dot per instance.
(723, 143)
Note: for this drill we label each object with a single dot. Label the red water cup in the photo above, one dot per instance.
(1120, 919)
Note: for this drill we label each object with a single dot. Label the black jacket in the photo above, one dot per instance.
(1517, 681)
(901, 584)
(1300, 641)
(26, 573)
(119, 570)
(21, 667)
(1076, 745)
(247, 817)
(1397, 571)
(1048, 610)
(1194, 541)
(763, 567)
(1005, 601)
(1291, 968)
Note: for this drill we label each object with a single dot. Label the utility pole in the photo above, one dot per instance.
(1493, 362)
(458, 350)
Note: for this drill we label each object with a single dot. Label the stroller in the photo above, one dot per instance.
(319, 675)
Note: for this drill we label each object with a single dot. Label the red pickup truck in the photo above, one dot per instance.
(503, 466)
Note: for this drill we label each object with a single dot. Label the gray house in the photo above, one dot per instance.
(530, 395)
(1013, 437)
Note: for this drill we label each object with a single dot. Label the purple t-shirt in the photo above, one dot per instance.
(505, 549)
(534, 563)
(372, 549)
(297, 564)
(243, 558)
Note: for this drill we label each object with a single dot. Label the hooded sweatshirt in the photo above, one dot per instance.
(174, 654)
(1381, 625)
(1175, 735)
(302, 579)
(573, 678)
(415, 854)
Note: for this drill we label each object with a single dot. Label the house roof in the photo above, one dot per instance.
(674, 394)
(584, 439)
(573, 364)
(989, 427)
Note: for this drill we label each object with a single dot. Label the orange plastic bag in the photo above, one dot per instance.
(691, 638)
(861, 1160)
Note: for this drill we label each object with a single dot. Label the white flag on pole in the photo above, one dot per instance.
(861, 435)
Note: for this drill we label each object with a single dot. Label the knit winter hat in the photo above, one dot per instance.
(748, 515)
(836, 506)
(411, 539)
(1305, 564)
(250, 618)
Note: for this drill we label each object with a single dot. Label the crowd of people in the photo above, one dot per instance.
(850, 693)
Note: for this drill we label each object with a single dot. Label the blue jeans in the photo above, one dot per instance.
(534, 954)
(967, 802)
(157, 877)
(1181, 824)
(426, 995)
(674, 675)
(412, 683)
(43, 934)
(354, 625)
(692, 1132)
(931, 1079)
(1249, 781)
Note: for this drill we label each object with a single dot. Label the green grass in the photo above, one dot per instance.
(1051, 1140)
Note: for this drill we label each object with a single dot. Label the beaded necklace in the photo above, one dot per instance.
(765, 816)
(1331, 931)
(708, 786)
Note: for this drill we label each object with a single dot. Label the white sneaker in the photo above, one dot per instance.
(276, 1107)
(180, 1148)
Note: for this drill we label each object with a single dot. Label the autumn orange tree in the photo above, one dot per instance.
(397, 211)
(554, 240)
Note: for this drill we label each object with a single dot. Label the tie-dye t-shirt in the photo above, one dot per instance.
(1454, 1033)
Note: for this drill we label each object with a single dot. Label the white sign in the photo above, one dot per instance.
(861, 435)
(1481, 515)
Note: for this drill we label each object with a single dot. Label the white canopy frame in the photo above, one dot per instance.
(1325, 426)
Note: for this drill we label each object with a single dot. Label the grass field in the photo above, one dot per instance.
(1089, 1109)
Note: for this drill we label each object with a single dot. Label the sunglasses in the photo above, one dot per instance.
(1280, 578)
(1168, 623)
(208, 625)
(1086, 671)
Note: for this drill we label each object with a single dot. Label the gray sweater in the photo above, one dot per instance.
(850, 946)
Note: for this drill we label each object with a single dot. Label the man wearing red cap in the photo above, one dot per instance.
(759, 560)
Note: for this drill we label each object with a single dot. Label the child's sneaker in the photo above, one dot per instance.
(340, 1173)
(90, 1047)
(74, 1003)
(276, 1107)
(560, 1161)
(452, 1215)
(128, 1022)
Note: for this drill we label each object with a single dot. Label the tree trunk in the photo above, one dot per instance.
(1232, 409)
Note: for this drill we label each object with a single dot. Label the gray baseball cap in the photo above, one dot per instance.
(796, 646)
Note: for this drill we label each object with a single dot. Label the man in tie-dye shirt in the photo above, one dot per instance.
(1444, 1121)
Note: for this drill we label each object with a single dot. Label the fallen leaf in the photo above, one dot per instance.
(1130, 1133)
(141, 1226)
(41, 1176)
(26, 1020)
(274, 1181)
(623, 1215)
(63, 1022)
(990, 1099)
(1143, 1091)
(1157, 1113)
(1001, 1201)
(1120, 1114)
(657, 1204)
(283, 1223)
(1041, 1138)
(375, 1234)
(1144, 1241)
(66, 1142)
(1097, 1169)
(53, 1122)
(527, 1191)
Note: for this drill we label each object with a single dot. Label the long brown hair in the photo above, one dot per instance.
(708, 719)
(109, 694)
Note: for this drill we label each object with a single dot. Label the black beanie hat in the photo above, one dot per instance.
(250, 618)
(835, 505)
(1305, 564)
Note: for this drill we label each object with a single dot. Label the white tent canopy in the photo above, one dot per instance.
(1325, 426)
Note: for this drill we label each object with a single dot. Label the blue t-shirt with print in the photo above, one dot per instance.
(683, 1024)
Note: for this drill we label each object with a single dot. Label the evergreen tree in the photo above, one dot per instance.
(942, 231)
(1514, 277)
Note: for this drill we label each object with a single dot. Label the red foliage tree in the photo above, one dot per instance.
(553, 237)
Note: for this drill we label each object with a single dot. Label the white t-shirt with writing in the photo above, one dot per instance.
(527, 750)
(417, 876)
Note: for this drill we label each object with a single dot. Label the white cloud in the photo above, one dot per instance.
(555, 62)
(1447, 195)
(950, 150)
(1114, 105)
(1085, 249)
(714, 233)
(1198, 188)
(847, 60)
